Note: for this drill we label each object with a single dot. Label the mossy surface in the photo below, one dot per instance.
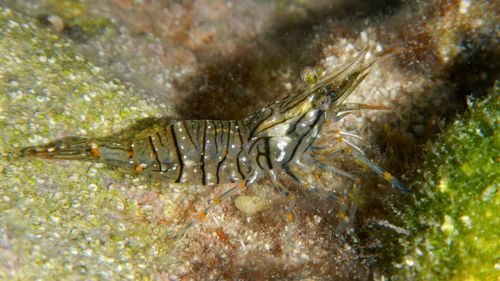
(62, 220)
(73, 18)
(455, 219)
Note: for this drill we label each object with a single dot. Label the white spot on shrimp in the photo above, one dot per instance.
(282, 144)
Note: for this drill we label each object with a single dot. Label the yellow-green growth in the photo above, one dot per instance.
(69, 221)
(74, 18)
(455, 220)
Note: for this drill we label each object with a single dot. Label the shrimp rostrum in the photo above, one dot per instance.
(265, 144)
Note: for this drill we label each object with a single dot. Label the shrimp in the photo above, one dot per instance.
(265, 144)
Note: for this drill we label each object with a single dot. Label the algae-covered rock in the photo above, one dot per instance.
(455, 219)
(60, 219)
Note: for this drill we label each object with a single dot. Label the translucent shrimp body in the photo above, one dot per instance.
(265, 144)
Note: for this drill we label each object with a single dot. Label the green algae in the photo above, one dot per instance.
(62, 220)
(454, 222)
(80, 24)
(73, 18)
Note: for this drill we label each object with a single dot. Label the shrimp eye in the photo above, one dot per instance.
(309, 76)
(323, 103)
